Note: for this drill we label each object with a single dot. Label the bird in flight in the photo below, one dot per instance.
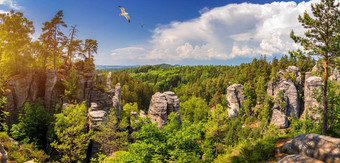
(142, 25)
(124, 13)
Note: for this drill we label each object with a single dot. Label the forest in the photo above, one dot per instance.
(57, 107)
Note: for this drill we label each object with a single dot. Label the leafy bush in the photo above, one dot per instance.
(33, 123)
(21, 153)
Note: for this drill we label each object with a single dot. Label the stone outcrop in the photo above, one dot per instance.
(51, 81)
(235, 98)
(161, 105)
(279, 118)
(20, 89)
(290, 94)
(116, 99)
(313, 85)
(3, 154)
(335, 75)
(319, 147)
(299, 159)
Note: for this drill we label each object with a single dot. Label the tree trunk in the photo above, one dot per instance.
(324, 99)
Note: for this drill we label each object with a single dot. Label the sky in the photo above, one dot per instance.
(185, 32)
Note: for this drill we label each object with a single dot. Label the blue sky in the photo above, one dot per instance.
(186, 32)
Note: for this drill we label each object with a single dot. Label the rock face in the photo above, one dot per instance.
(290, 94)
(235, 98)
(319, 147)
(116, 99)
(299, 159)
(20, 89)
(161, 105)
(3, 155)
(312, 84)
(51, 81)
(335, 75)
(279, 118)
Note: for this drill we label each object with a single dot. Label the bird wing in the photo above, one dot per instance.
(127, 18)
(122, 8)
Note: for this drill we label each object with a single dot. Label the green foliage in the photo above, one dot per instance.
(195, 110)
(23, 152)
(261, 149)
(32, 124)
(15, 43)
(112, 134)
(71, 85)
(334, 108)
(70, 129)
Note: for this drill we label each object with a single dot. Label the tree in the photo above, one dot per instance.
(14, 43)
(52, 37)
(70, 130)
(321, 38)
(33, 124)
(111, 134)
(73, 45)
(91, 46)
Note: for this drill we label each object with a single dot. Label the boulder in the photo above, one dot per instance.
(235, 98)
(161, 105)
(320, 147)
(279, 119)
(299, 159)
(313, 85)
(3, 154)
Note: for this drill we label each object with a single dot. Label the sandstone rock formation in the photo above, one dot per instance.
(51, 81)
(116, 99)
(319, 147)
(235, 98)
(21, 88)
(299, 159)
(290, 94)
(161, 105)
(313, 85)
(279, 118)
(3, 154)
(335, 75)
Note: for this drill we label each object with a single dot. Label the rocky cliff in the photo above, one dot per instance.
(284, 82)
(161, 105)
(313, 86)
(235, 98)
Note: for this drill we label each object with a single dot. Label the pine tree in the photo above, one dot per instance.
(70, 130)
(53, 39)
(321, 38)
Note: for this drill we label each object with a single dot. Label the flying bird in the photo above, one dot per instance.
(142, 25)
(124, 13)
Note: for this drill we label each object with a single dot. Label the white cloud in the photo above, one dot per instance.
(10, 3)
(222, 33)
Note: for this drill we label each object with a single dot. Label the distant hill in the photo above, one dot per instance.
(119, 67)
(114, 67)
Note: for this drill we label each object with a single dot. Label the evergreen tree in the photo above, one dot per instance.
(112, 134)
(70, 129)
(52, 38)
(91, 46)
(321, 38)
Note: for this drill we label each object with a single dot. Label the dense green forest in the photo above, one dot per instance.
(62, 133)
